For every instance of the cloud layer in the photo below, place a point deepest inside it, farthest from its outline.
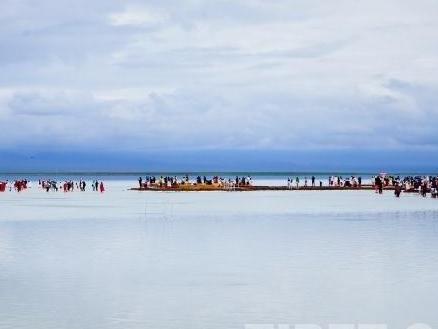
(244, 74)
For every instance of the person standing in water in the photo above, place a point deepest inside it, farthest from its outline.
(397, 189)
(379, 185)
(102, 188)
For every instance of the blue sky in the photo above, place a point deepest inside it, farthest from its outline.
(113, 77)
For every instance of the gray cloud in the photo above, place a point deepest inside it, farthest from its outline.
(218, 74)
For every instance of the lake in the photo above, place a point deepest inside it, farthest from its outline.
(127, 259)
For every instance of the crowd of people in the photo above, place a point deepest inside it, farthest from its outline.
(174, 181)
(422, 185)
(414, 184)
(17, 185)
(333, 181)
(52, 185)
(70, 186)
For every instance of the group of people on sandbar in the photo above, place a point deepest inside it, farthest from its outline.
(410, 184)
(422, 185)
(333, 181)
(351, 181)
(162, 181)
(175, 182)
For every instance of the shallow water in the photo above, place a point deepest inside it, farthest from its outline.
(127, 259)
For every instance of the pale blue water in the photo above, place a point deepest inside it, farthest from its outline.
(216, 260)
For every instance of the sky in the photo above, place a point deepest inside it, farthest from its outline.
(171, 80)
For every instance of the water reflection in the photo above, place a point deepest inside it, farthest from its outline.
(219, 272)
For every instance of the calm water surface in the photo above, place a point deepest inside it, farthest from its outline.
(216, 260)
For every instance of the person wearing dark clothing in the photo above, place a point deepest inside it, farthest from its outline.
(424, 189)
(397, 190)
(379, 185)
